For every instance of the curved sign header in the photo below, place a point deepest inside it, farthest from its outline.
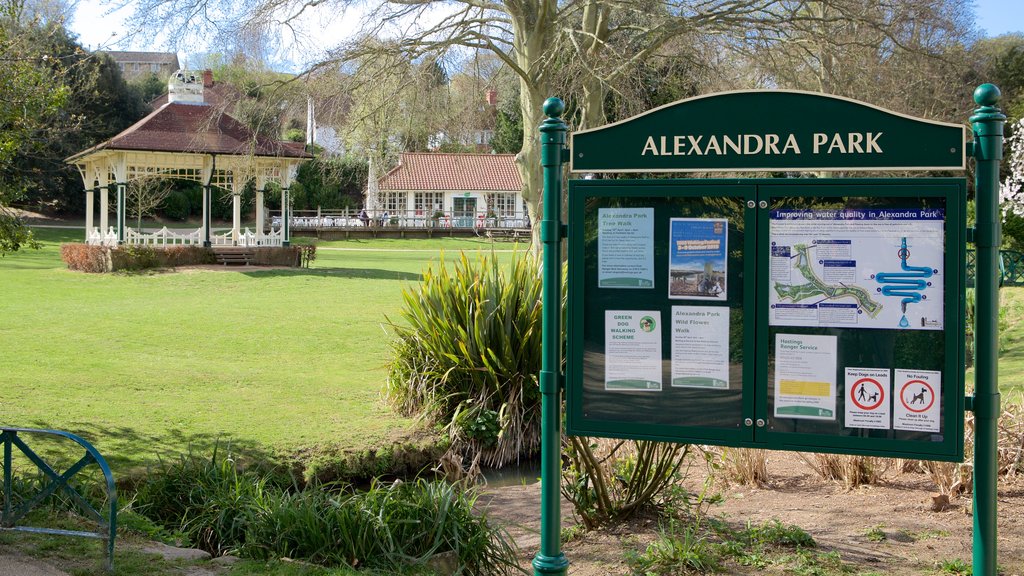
(768, 130)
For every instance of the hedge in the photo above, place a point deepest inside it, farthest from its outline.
(92, 258)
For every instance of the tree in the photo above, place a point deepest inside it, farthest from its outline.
(1001, 62)
(33, 92)
(70, 100)
(1011, 190)
(529, 36)
(909, 56)
(144, 196)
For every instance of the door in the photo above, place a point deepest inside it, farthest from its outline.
(464, 211)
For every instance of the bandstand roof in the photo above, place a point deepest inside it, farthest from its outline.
(197, 129)
(190, 140)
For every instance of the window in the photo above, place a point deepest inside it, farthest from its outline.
(393, 202)
(502, 203)
(154, 67)
(427, 202)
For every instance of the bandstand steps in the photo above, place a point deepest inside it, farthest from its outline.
(234, 255)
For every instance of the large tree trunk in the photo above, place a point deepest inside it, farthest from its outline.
(534, 25)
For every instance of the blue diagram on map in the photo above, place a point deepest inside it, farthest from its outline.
(836, 267)
(909, 283)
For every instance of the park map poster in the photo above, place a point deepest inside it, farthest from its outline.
(857, 268)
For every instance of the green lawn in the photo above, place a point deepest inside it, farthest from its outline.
(275, 362)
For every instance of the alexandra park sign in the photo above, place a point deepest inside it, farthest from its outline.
(762, 144)
(794, 131)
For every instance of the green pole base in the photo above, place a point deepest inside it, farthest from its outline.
(554, 565)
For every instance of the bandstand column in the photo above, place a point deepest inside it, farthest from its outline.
(206, 216)
(121, 186)
(236, 215)
(90, 199)
(104, 206)
(286, 217)
(259, 216)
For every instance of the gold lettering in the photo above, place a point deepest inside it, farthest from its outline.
(837, 142)
(819, 140)
(747, 148)
(791, 144)
(695, 145)
(650, 146)
(733, 144)
(873, 142)
(713, 146)
(855, 138)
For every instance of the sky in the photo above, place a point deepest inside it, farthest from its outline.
(94, 24)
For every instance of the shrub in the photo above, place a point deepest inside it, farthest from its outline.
(86, 257)
(223, 508)
(91, 258)
(467, 355)
(172, 256)
(608, 481)
(132, 258)
(278, 256)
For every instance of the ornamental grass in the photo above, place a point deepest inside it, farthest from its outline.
(467, 351)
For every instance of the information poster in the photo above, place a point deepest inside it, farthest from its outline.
(698, 250)
(625, 248)
(868, 396)
(918, 405)
(700, 347)
(805, 376)
(632, 350)
(857, 268)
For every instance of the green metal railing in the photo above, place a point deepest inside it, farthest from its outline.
(1011, 268)
(11, 515)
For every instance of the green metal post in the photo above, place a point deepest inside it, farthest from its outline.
(121, 208)
(550, 560)
(207, 213)
(286, 217)
(7, 478)
(987, 122)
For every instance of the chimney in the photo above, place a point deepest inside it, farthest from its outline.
(492, 97)
(207, 78)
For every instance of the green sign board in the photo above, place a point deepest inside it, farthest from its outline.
(803, 314)
(775, 130)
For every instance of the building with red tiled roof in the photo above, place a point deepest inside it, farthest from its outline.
(465, 187)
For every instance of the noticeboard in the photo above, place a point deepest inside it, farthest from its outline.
(805, 314)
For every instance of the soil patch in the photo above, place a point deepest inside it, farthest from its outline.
(886, 528)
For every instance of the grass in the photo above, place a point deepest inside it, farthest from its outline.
(275, 363)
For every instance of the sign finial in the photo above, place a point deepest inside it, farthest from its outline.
(987, 95)
(554, 107)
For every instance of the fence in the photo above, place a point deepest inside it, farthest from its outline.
(107, 527)
(1011, 268)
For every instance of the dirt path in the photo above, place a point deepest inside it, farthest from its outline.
(906, 537)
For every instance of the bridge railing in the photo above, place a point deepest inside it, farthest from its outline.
(11, 515)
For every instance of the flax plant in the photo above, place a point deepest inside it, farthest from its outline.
(610, 480)
(467, 353)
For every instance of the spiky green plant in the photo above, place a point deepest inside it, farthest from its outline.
(467, 353)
